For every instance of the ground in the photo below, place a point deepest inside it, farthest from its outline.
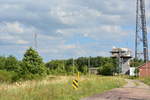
(133, 90)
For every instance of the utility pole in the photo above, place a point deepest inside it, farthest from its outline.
(141, 32)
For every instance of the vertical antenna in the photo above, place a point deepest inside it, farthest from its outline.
(136, 35)
(144, 30)
(141, 31)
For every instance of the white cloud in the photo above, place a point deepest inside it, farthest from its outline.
(22, 42)
(14, 27)
(60, 23)
(15, 33)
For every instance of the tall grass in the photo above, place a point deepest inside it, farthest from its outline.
(59, 88)
(146, 80)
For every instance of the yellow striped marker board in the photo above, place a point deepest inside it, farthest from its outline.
(75, 84)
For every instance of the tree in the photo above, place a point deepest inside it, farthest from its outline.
(107, 69)
(81, 62)
(12, 64)
(136, 62)
(85, 69)
(71, 69)
(2, 62)
(57, 66)
(32, 63)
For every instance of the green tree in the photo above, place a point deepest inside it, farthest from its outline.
(136, 62)
(71, 69)
(56, 66)
(32, 64)
(2, 62)
(85, 69)
(107, 69)
(12, 64)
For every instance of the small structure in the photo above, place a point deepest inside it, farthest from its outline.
(123, 55)
(93, 70)
(144, 70)
(132, 71)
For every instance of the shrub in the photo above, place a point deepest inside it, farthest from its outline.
(107, 69)
(71, 69)
(31, 77)
(12, 64)
(2, 62)
(84, 69)
(8, 76)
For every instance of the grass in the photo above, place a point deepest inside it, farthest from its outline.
(136, 83)
(145, 80)
(59, 88)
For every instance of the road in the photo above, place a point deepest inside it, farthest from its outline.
(133, 90)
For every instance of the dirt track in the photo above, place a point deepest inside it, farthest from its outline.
(133, 90)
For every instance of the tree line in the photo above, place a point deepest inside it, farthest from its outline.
(106, 65)
(33, 67)
(30, 67)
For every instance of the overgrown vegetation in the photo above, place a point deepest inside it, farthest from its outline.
(33, 67)
(59, 88)
(30, 67)
(146, 80)
(106, 65)
(136, 62)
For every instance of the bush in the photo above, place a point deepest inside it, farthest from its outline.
(84, 69)
(6, 76)
(71, 69)
(107, 69)
(2, 62)
(12, 64)
(31, 77)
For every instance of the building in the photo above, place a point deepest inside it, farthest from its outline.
(132, 71)
(144, 70)
(93, 70)
(123, 55)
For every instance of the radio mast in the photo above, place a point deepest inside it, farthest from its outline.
(141, 32)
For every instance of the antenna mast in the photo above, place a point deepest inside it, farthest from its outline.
(141, 31)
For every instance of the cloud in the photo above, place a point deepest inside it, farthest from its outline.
(67, 28)
(22, 42)
(15, 33)
(11, 27)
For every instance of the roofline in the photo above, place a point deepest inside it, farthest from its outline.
(143, 64)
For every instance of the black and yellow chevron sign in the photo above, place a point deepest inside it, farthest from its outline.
(75, 84)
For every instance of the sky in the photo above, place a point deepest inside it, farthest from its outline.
(67, 28)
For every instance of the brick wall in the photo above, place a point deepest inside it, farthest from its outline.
(144, 71)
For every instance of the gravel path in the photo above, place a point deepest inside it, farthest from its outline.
(133, 90)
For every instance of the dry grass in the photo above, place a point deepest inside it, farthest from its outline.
(58, 88)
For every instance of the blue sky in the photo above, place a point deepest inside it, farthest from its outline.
(67, 28)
